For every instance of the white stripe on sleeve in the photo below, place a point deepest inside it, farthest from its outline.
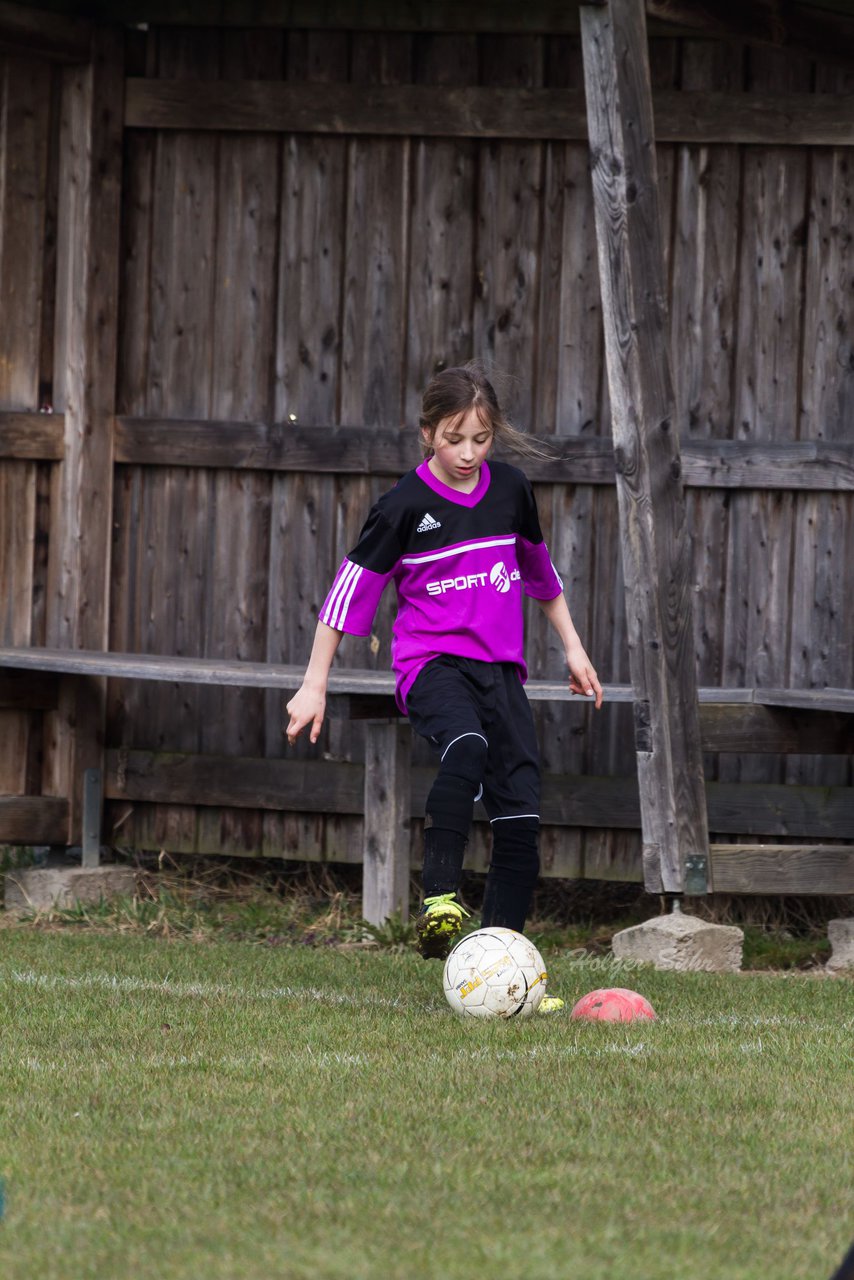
(339, 594)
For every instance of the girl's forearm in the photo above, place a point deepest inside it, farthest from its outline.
(582, 675)
(308, 705)
(323, 651)
(558, 617)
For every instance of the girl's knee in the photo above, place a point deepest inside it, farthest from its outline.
(458, 783)
(465, 757)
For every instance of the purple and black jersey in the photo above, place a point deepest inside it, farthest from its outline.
(460, 563)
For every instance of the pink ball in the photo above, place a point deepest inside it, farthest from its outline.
(613, 1004)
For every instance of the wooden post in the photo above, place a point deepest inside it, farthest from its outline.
(85, 376)
(388, 749)
(655, 541)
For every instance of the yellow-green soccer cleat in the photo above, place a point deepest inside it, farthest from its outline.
(438, 925)
(550, 1004)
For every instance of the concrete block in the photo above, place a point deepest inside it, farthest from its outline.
(681, 942)
(41, 888)
(840, 933)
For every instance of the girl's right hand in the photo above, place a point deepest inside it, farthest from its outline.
(307, 706)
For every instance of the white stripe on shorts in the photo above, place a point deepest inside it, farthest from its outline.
(470, 734)
(511, 817)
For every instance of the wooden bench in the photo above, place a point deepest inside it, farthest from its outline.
(732, 720)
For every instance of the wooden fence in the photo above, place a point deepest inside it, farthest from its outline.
(293, 229)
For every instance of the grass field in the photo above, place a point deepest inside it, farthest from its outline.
(225, 1110)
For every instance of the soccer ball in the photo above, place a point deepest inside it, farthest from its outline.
(494, 973)
(613, 1004)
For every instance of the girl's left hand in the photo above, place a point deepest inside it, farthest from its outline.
(582, 675)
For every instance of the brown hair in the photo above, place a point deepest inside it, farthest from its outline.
(453, 392)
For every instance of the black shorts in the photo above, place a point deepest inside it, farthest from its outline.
(453, 697)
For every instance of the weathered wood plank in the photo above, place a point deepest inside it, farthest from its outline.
(77, 606)
(356, 450)
(25, 104)
(471, 111)
(181, 778)
(758, 602)
(178, 669)
(377, 233)
(311, 247)
(33, 820)
(378, 110)
(609, 855)
(136, 274)
(333, 839)
(318, 786)
(748, 729)
(247, 196)
(776, 809)
(16, 736)
(308, 347)
(168, 596)
(17, 537)
(49, 335)
(25, 93)
(507, 242)
(769, 463)
(37, 437)
(791, 869)
(703, 312)
(375, 250)
(655, 541)
(822, 607)
(826, 699)
(705, 261)
(442, 273)
(386, 806)
(88, 270)
(733, 715)
(569, 357)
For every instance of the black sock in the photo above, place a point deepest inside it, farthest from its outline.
(443, 861)
(513, 873)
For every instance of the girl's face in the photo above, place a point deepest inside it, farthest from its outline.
(459, 448)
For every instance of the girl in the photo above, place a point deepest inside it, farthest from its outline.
(460, 538)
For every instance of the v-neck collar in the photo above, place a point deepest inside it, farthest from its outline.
(455, 495)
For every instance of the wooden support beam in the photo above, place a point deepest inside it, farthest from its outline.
(285, 446)
(334, 787)
(387, 806)
(393, 110)
(473, 111)
(87, 314)
(85, 376)
(797, 465)
(655, 540)
(32, 437)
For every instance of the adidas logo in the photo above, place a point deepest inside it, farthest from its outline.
(428, 523)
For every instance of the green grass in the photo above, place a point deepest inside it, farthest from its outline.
(225, 1109)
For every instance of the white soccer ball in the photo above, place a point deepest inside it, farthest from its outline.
(494, 973)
